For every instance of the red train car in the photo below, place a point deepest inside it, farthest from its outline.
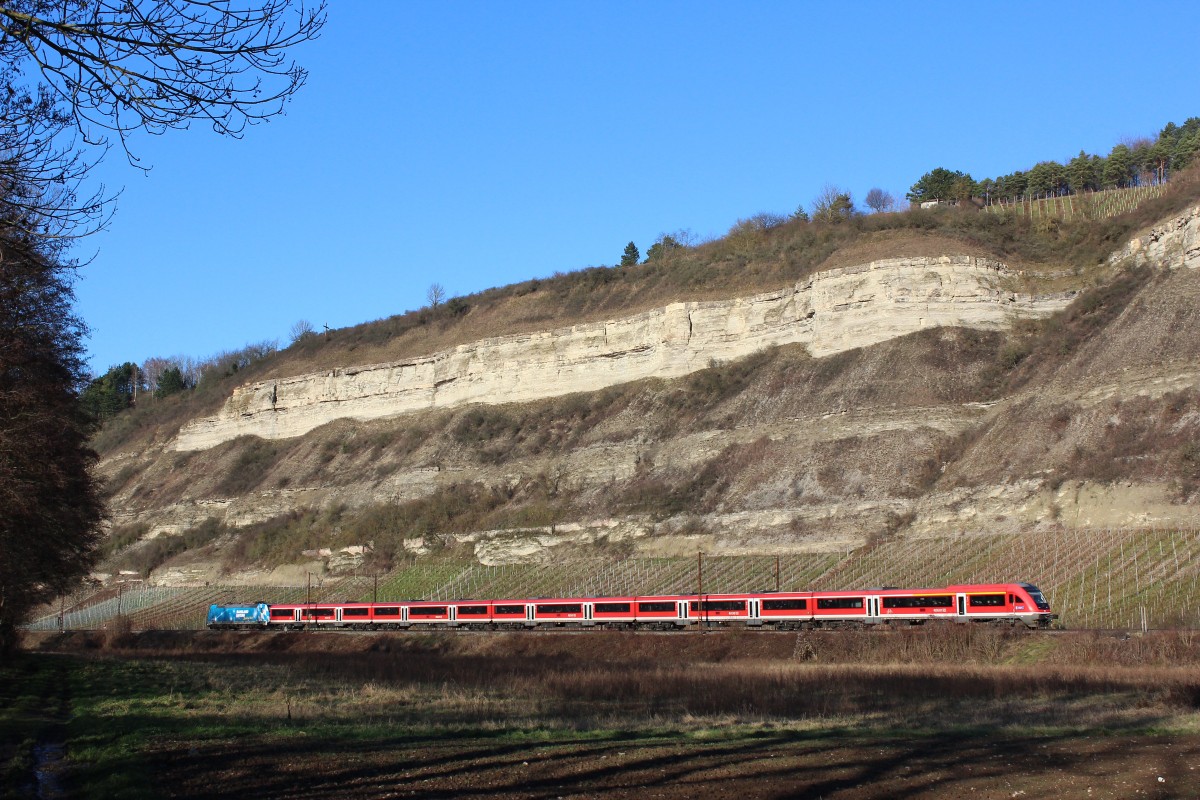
(1015, 603)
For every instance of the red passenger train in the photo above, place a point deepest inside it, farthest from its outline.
(1013, 603)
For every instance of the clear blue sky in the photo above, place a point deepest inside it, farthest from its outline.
(480, 143)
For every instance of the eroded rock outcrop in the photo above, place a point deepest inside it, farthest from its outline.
(1172, 244)
(830, 312)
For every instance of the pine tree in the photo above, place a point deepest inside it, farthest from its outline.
(631, 256)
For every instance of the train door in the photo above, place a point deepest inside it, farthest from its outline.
(529, 621)
(452, 616)
(962, 605)
(587, 615)
(755, 617)
(337, 617)
(404, 613)
(873, 608)
(683, 609)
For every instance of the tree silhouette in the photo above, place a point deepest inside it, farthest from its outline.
(109, 68)
(50, 499)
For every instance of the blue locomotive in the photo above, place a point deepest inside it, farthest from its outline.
(248, 616)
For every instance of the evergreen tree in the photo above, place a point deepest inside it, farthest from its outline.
(170, 382)
(111, 393)
(937, 184)
(1047, 179)
(964, 188)
(1081, 173)
(1118, 167)
(631, 256)
(1184, 153)
(662, 248)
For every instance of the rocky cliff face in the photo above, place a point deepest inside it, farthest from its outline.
(834, 311)
(896, 403)
(1173, 244)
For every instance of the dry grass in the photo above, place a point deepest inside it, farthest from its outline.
(958, 677)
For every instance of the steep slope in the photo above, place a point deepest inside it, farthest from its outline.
(931, 402)
(833, 311)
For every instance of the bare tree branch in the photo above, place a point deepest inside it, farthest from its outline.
(74, 75)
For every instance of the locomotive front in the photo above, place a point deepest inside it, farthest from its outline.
(1035, 611)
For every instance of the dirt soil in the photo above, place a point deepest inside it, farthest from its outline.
(774, 766)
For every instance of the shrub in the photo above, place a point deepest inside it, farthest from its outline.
(154, 553)
(248, 469)
(121, 479)
(121, 537)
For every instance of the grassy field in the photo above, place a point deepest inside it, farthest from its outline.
(940, 713)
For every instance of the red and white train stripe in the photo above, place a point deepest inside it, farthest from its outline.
(1015, 603)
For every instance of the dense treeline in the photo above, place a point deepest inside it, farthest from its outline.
(1140, 162)
(124, 384)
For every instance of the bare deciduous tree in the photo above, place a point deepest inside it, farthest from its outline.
(880, 201)
(153, 368)
(109, 68)
(833, 204)
(436, 294)
(301, 330)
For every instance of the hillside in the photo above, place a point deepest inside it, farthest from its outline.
(801, 389)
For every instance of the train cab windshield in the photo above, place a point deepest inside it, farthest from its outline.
(1039, 600)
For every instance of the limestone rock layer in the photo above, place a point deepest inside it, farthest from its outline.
(829, 312)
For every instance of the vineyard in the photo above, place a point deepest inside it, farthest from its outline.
(1093, 206)
(1094, 579)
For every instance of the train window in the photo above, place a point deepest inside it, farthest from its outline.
(784, 605)
(510, 610)
(356, 612)
(985, 599)
(1038, 598)
(719, 605)
(650, 608)
(426, 611)
(387, 611)
(842, 602)
(612, 608)
(320, 613)
(919, 601)
(559, 608)
(472, 610)
(281, 613)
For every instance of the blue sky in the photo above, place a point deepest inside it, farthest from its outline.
(476, 144)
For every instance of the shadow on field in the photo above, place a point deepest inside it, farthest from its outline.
(947, 714)
(770, 765)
